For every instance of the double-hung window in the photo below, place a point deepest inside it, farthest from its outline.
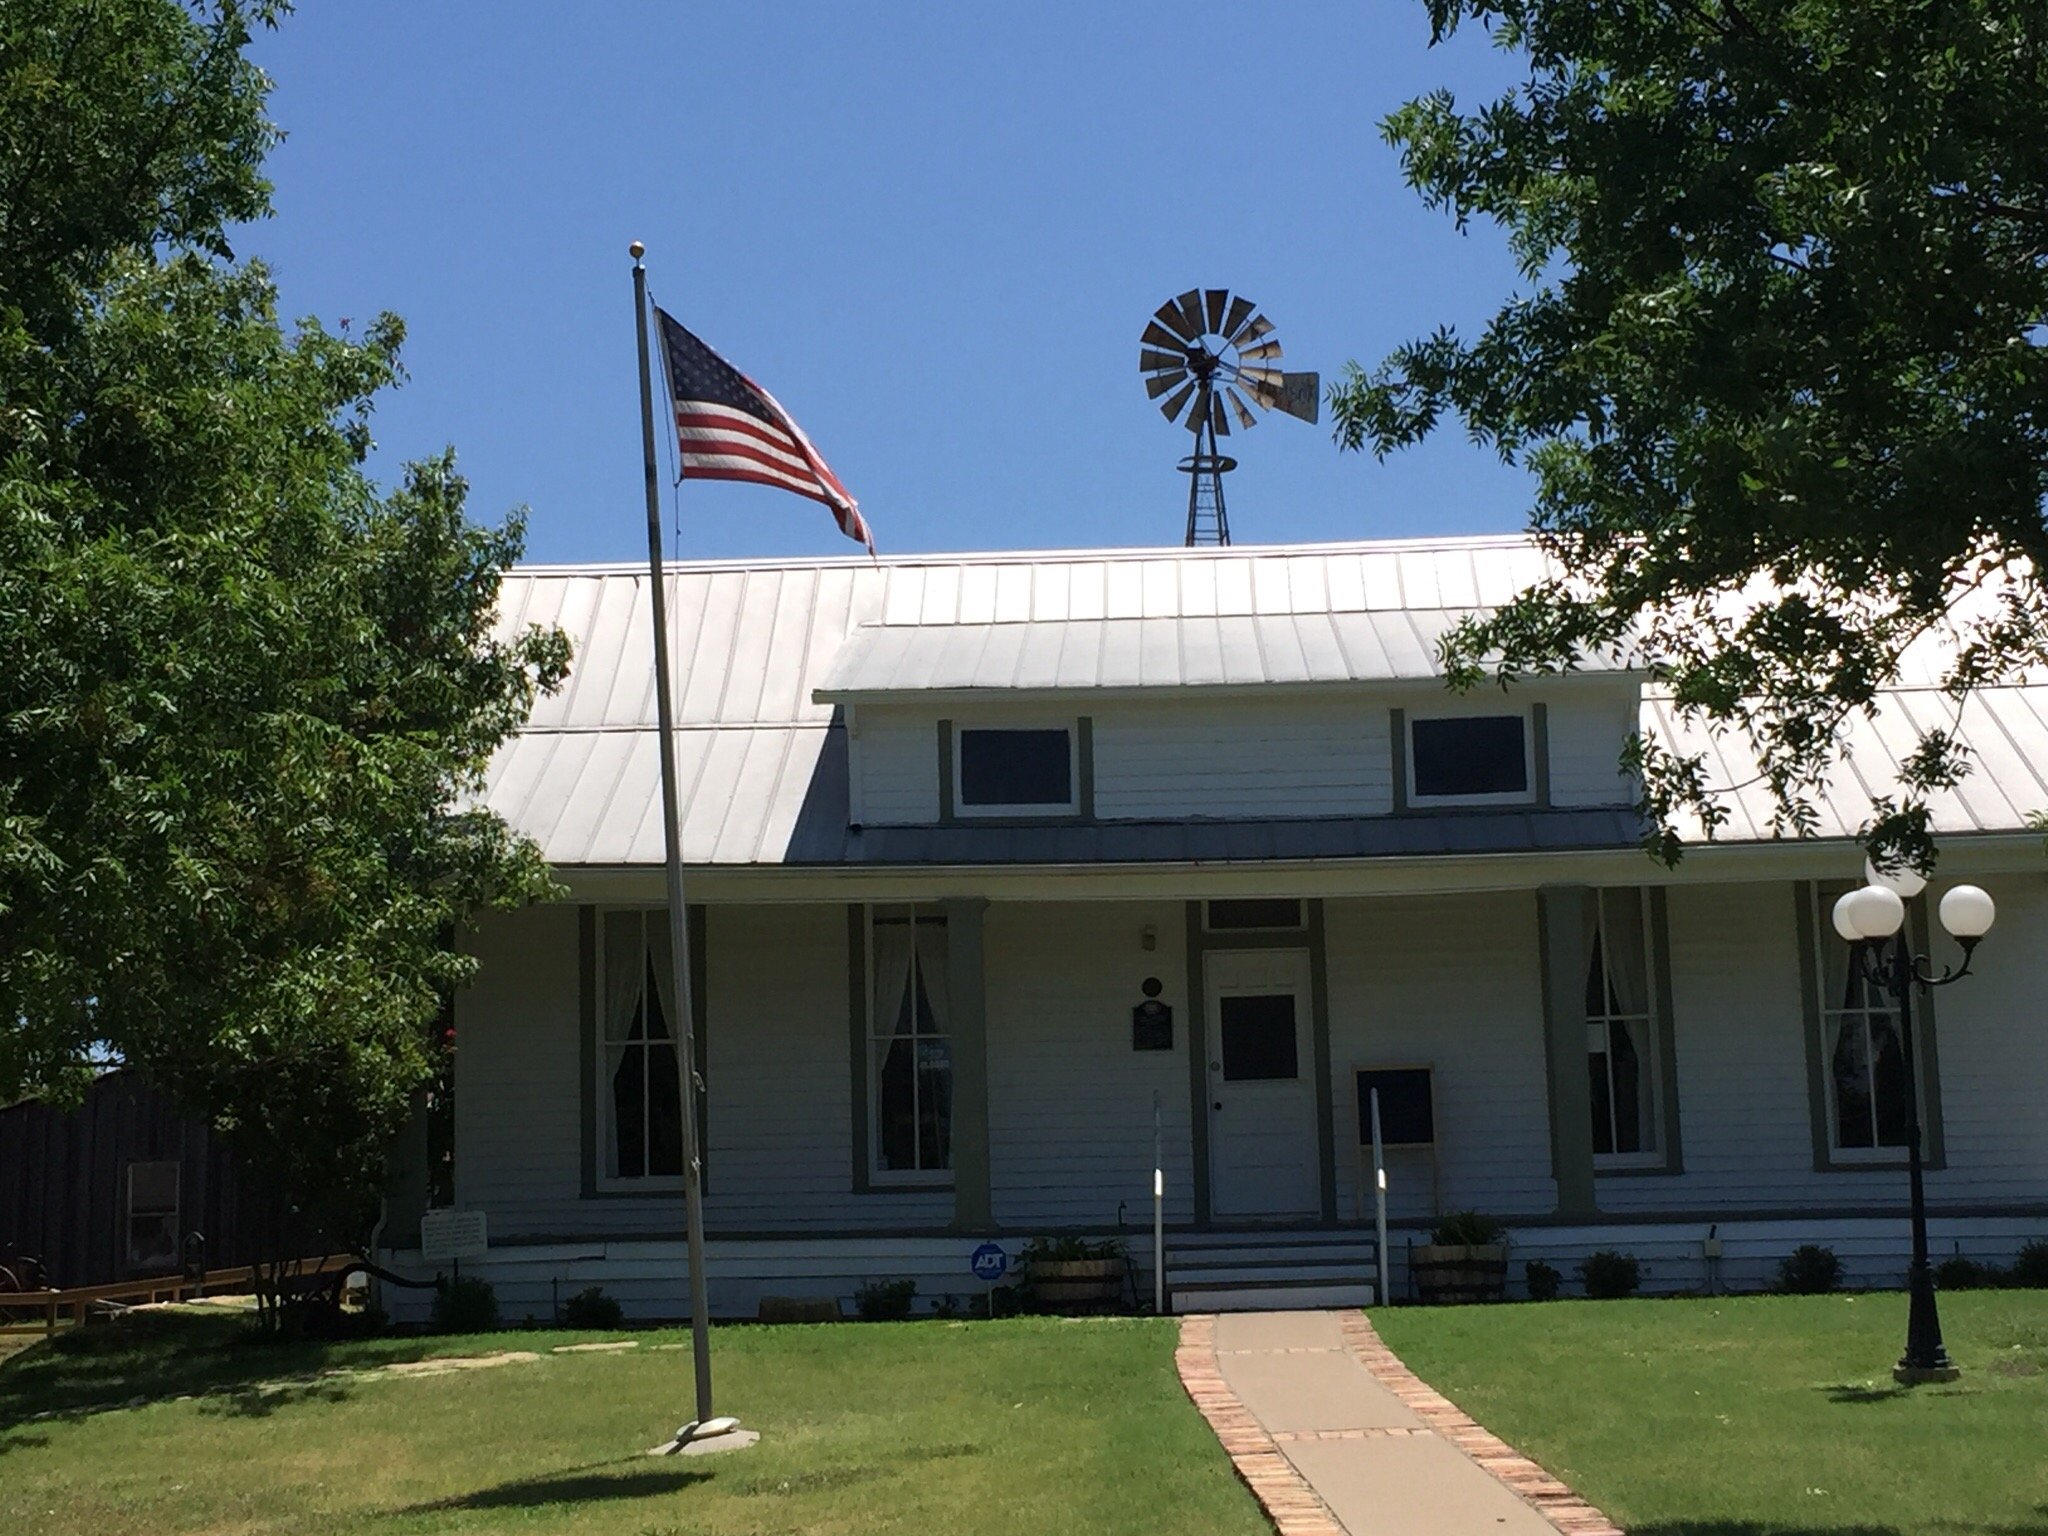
(1862, 1054)
(639, 1091)
(910, 1051)
(1621, 1032)
(1016, 771)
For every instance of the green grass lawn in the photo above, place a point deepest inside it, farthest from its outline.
(1759, 1416)
(1029, 1424)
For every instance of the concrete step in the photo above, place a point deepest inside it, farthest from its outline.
(1272, 1296)
(1251, 1272)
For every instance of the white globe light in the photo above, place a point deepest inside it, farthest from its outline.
(1968, 912)
(1907, 881)
(1845, 918)
(1877, 912)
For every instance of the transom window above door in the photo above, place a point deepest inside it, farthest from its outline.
(1470, 759)
(1016, 771)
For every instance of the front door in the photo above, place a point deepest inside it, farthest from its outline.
(1262, 1113)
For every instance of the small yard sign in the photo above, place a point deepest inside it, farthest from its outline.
(990, 1262)
(448, 1236)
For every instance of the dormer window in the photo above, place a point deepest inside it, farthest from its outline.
(1016, 771)
(1470, 760)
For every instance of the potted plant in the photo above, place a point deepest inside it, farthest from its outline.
(1071, 1271)
(1465, 1259)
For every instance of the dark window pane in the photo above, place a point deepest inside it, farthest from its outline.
(664, 1113)
(934, 1104)
(629, 1109)
(1852, 1085)
(1258, 1037)
(1016, 768)
(1469, 755)
(1888, 1072)
(1603, 1117)
(896, 1104)
(1277, 913)
(1596, 982)
(1628, 1079)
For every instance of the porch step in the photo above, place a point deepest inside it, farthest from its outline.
(1270, 1271)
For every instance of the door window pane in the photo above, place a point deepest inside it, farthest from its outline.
(1258, 1037)
(1469, 755)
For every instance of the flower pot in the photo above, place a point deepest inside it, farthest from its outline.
(1463, 1272)
(1073, 1282)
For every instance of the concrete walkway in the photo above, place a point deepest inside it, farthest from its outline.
(1336, 1438)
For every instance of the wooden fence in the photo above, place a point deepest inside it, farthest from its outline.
(47, 1307)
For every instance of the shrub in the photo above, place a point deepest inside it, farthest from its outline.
(884, 1300)
(465, 1306)
(1068, 1250)
(591, 1308)
(1957, 1273)
(1468, 1229)
(1609, 1276)
(2031, 1266)
(1809, 1270)
(1543, 1281)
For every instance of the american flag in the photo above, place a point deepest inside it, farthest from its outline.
(730, 428)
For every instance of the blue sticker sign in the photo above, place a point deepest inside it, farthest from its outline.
(989, 1262)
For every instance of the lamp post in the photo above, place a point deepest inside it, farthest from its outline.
(1872, 918)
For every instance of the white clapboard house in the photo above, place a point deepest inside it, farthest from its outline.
(997, 861)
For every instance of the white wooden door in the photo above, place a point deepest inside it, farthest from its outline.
(1262, 1114)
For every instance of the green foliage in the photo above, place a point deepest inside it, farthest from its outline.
(1778, 369)
(1957, 1273)
(1608, 1275)
(591, 1308)
(2030, 1266)
(1543, 1280)
(1069, 1250)
(1468, 1229)
(1809, 1270)
(244, 692)
(884, 1300)
(465, 1305)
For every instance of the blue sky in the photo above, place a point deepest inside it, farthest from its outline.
(934, 231)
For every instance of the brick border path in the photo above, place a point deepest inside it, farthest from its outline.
(1286, 1496)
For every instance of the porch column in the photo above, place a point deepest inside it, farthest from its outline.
(967, 993)
(1561, 920)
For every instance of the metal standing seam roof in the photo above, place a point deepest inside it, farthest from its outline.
(763, 763)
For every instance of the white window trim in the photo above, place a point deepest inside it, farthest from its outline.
(1071, 806)
(607, 1182)
(1468, 711)
(1658, 1154)
(878, 1176)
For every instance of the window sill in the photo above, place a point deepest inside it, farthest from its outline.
(1633, 1168)
(908, 1184)
(613, 1188)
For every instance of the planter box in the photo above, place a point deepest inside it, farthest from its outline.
(1444, 1273)
(1073, 1282)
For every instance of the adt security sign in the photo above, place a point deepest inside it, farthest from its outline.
(989, 1263)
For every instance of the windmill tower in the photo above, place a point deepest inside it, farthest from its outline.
(1214, 357)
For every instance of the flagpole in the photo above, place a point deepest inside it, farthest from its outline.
(678, 915)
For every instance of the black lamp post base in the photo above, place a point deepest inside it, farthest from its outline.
(1919, 1375)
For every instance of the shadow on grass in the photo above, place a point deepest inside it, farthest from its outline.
(260, 1402)
(578, 1485)
(167, 1354)
(1857, 1392)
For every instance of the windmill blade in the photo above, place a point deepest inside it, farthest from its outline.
(1263, 385)
(1160, 383)
(1171, 409)
(1170, 318)
(1216, 298)
(1258, 330)
(1157, 335)
(1217, 418)
(1150, 361)
(1245, 418)
(1240, 311)
(1190, 304)
(1263, 350)
(1301, 395)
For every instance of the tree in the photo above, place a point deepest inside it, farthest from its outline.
(245, 696)
(1780, 369)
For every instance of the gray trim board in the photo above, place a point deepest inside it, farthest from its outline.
(1084, 751)
(1319, 1035)
(1539, 752)
(1197, 1034)
(857, 1027)
(946, 808)
(586, 1050)
(1397, 733)
(1560, 930)
(967, 992)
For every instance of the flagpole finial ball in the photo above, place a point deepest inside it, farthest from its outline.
(636, 250)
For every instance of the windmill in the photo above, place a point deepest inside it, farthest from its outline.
(1214, 357)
